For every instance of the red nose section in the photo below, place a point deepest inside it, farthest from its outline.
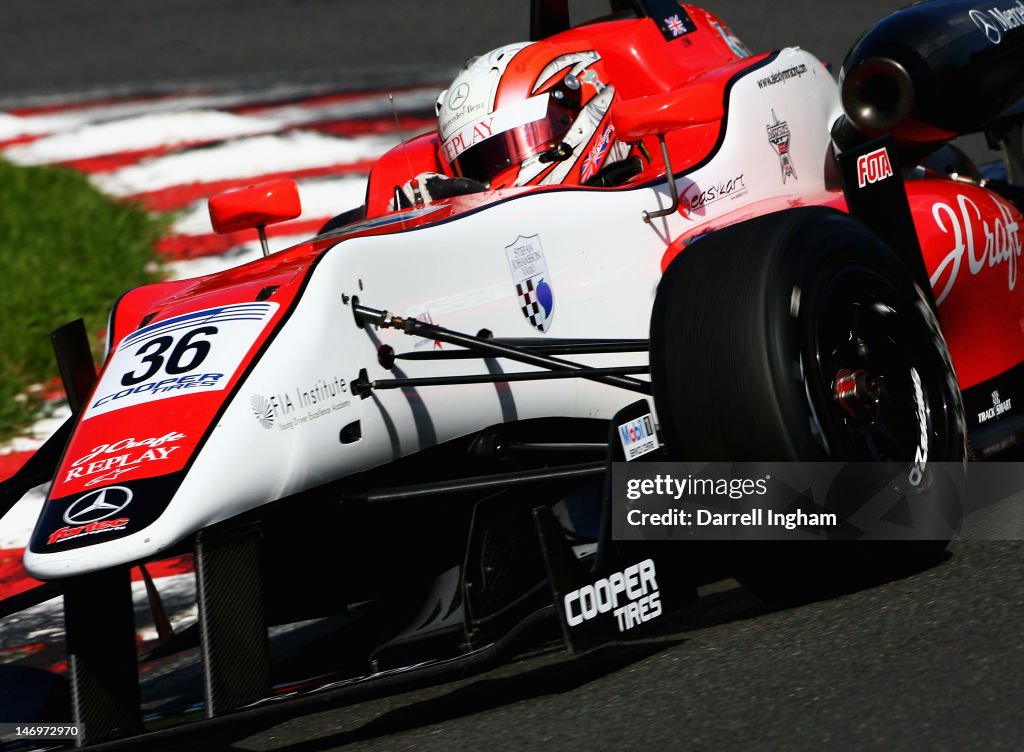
(255, 206)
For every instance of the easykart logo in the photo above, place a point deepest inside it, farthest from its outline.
(873, 167)
(98, 505)
(695, 198)
(632, 597)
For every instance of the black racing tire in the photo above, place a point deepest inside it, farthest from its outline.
(750, 328)
(345, 218)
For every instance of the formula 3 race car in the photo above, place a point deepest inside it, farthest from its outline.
(421, 405)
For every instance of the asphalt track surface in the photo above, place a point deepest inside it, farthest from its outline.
(932, 661)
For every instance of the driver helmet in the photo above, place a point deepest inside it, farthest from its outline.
(529, 114)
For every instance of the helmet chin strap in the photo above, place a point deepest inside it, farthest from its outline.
(559, 153)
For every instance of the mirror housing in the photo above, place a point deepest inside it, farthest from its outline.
(658, 114)
(255, 206)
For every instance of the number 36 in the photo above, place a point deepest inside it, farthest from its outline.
(186, 355)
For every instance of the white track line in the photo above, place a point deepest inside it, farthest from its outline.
(375, 106)
(45, 622)
(135, 134)
(13, 126)
(78, 134)
(17, 525)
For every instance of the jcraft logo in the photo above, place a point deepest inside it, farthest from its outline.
(98, 505)
(106, 462)
(967, 226)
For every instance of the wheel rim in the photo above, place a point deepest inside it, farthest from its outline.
(882, 371)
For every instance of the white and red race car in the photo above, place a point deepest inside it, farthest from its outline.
(421, 403)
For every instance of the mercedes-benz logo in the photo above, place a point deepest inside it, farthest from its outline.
(98, 505)
(983, 22)
(459, 96)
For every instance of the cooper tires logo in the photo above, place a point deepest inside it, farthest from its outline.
(983, 22)
(98, 505)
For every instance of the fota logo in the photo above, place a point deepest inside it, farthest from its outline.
(873, 167)
(632, 596)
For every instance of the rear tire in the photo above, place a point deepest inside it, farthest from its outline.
(752, 327)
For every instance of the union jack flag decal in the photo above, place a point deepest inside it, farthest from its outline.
(673, 20)
(675, 25)
(593, 161)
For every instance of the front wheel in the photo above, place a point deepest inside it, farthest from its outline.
(800, 336)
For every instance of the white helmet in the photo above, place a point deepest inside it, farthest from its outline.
(529, 114)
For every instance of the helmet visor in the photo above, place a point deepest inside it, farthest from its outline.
(508, 136)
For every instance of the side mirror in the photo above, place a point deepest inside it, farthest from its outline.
(255, 207)
(657, 114)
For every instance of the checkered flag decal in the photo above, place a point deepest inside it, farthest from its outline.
(528, 302)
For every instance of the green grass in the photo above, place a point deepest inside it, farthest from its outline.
(66, 252)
